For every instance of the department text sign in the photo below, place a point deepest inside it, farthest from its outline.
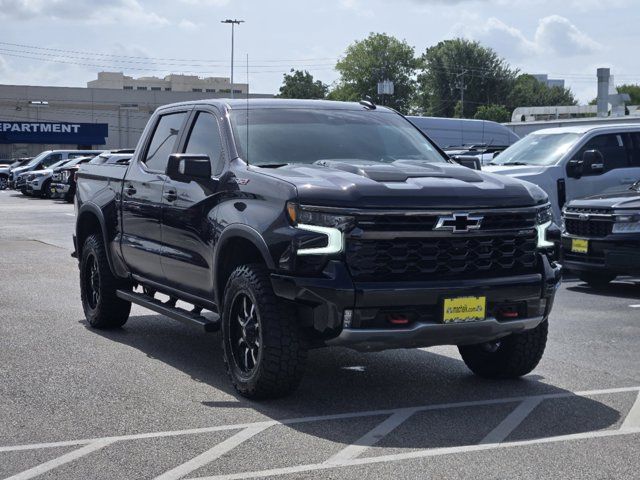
(53, 132)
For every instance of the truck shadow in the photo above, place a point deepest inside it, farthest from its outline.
(341, 381)
(621, 288)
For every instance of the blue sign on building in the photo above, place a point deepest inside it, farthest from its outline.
(54, 132)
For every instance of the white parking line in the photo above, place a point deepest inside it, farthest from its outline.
(633, 417)
(56, 462)
(635, 306)
(213, 453)
(511, 422)
(434, 452)
(372, 437)
(349, 455)
(338, 416)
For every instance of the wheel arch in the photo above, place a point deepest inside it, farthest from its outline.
(237, 245)
(91, 220)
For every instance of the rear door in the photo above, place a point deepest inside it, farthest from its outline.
(187, 230)
(614, 149)
(142, 196)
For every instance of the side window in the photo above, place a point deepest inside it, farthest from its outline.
(163, 141)
(51, 159)
(204, 138)
(635, 149)
(612, 148)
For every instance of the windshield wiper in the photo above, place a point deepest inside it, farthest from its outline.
(516, 164)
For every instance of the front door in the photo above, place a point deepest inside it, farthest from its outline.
(613, 148)
(187, 230)
(142, 198)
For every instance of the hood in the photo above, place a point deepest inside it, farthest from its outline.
(620, 199)
(516, 170)
(4, 169)
(403, 184)
(19, 170)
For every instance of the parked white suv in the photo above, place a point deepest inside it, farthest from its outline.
(573, 162)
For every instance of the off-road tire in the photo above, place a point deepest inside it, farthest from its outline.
(597, 279)
(514, 356)
(108, 311)
(282, 355)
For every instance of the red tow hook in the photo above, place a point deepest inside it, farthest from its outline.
(397, 319)
(509, 313)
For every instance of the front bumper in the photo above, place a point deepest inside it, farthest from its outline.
(616, 253)
(322, 303)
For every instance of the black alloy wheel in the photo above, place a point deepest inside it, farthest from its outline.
(246, 337)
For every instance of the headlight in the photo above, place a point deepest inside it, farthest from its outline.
(328, 224)
(544, 218)
(627, 222)
(65, 175)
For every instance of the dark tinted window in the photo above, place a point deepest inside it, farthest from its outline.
(634, 149)
(288, 135)
(612, 148)
(163, 141)
(204, 138)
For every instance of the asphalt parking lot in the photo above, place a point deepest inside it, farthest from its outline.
(152, 400)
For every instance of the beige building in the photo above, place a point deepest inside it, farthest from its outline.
(170, 83)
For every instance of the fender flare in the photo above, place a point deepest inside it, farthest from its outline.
(92, 208)
(242, 231)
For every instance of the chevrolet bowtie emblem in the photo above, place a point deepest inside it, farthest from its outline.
(459, 223)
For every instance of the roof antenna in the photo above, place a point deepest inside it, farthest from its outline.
(247, 109)
(367, 103)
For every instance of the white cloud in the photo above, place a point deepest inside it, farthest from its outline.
(559, 35)
(554, 35)
(103, 11)
(187, 24)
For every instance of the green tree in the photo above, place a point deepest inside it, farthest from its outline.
(299, 84)
(529, 92)
(457, 65)
(376, 58)
(495, 113)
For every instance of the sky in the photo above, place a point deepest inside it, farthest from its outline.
(66, 42)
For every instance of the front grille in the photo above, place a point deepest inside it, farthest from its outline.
(588, 228)
(426, 222)
(56, 177)
(451, 257)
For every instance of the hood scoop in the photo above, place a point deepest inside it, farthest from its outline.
(400, 170)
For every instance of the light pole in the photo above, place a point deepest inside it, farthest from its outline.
(233, 23)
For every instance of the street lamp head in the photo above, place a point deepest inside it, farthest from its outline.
(228, 20)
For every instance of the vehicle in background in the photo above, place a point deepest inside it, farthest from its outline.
(601, 237)
(460, 136)
(38, 182)
(344, 226)
(63, 183)
(573, 162)
(6, 170)
(44, 160)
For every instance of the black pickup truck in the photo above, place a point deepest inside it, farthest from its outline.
(601, 237)
(295, 224)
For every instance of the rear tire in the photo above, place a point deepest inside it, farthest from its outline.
(509, 357)
(264, 350)
(4, 182)
(597, 279)
(102, 307)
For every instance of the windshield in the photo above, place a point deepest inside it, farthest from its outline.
(55, 165)
(37, 158)
(281, 135)
(537, 149)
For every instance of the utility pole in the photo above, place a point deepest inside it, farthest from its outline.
(233, 24)
(462, 87)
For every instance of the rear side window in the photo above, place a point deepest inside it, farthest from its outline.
(163, 141)
(634, 148)
(204, 138)
(51, 159)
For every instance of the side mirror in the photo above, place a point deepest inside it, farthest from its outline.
(575, 168)
(593, 161)
(468, 161)
(188, 166)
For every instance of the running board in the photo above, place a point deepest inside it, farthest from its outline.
(176, 313)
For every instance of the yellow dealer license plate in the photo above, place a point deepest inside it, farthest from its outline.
(579, 245)
(464, 309)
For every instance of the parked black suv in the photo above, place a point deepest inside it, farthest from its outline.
(601, 238)
(315, 223)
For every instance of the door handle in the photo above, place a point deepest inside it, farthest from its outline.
(170, 195)
(130, 190)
